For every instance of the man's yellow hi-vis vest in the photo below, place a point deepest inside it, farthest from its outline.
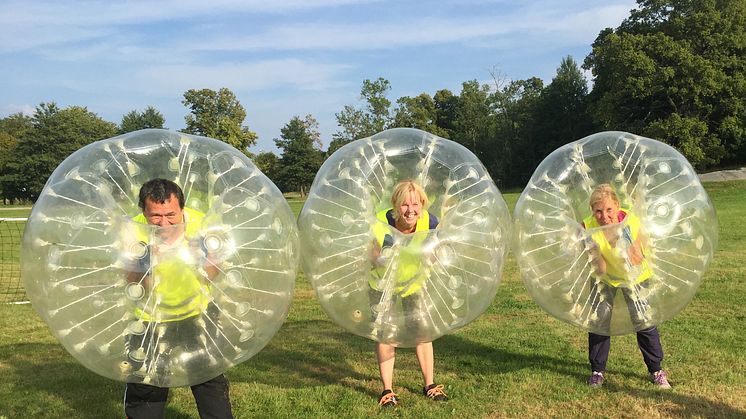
(408, 276)
(179, 291)
(617, 271)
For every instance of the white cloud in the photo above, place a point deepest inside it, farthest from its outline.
(585, 24)
(114, 49)
(26, 25)
(12, 108)
(104, 13)
(363, 36)
(243, 76)
(548, 25)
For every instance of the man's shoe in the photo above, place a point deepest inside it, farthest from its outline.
(660, 379)
(596, 379)
(388, 399)
(435, 392)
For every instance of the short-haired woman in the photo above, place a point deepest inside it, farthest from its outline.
(408, 215)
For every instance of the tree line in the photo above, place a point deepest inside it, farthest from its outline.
(31, 147)
(673, 70)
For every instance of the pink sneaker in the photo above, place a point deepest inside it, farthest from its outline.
(660, 378)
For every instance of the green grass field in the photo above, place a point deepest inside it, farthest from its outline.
(513, 361)
(13, 211)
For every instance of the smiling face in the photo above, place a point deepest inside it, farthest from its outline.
(408, 201)
(606, 211)
(165, 214)
(409, 212)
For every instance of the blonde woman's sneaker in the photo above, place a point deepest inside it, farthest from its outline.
(435, 392)
(596, 379)
(660, 379)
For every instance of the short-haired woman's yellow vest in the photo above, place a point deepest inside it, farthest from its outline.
(616, 271)
(409, 276)
(177, 285)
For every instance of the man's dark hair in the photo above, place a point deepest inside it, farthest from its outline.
(160, 190)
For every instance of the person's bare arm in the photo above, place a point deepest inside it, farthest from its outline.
(635, 252)
(138, 270)
(211, 267)
(597, 259)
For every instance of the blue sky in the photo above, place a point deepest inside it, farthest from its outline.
(280, 58)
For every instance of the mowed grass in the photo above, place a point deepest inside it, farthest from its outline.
(14, 211)
(513, 361)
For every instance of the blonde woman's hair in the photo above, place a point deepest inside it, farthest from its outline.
(602, 192)
(402, 191)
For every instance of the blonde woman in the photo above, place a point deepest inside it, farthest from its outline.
(408, 215)
(627, 271)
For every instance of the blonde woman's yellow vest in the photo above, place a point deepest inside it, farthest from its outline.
(178, 286)
(408, 276)
(616, 274)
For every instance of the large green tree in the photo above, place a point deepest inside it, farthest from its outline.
(135, 120)
(472, 123)
(446, 106)
(269, 164)
(7, 144)
(12, 128)
(16, 125)
(473, 120)
(379, 106)
(219, 115)
(374, 117)
(561, 112)
(676, 70)
(312, 128)
(299, 160)
(56, 134)
(418, 112)
(511, 156)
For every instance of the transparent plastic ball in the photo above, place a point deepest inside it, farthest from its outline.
(403, 289)
(668, 217)
(162, 305)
